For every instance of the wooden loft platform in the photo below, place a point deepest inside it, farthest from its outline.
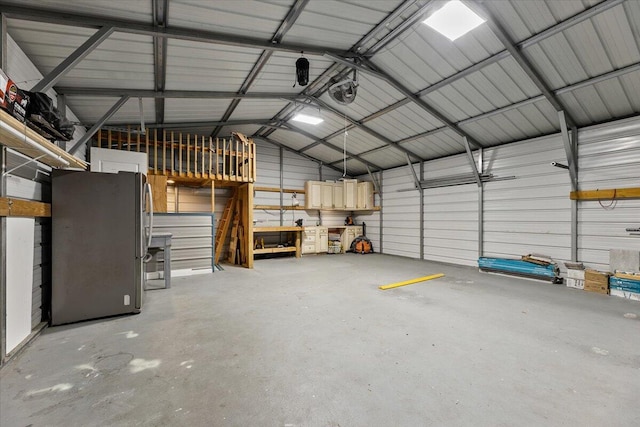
(188, 159)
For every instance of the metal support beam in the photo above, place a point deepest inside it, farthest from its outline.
(472, 162)
(481, 206)
(421, 211)
(332, 146)
(404, 26)
(406, 92)
(570, 149)
(279, 144)
(416, 181)
(381, 211)
(207, 124)
(281, 186)
(87, 136)
(160, 21)
(199, 94)
(182, 33)
(3, 258)
(567, 89)
(78, 55)
(3, 42)
(376, 185)
(285, 25)
(366, 129)
(536, 38)
(522, 61)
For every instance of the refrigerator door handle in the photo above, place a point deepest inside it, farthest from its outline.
(147, 188)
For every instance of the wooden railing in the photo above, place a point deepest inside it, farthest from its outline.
(188, 157)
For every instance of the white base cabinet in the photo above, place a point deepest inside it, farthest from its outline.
(315, 240)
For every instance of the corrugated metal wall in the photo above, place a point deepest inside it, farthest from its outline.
(191, 243)
(400, 213)
(450, 214)
(30, 180)
(531, 213)
(609, 157)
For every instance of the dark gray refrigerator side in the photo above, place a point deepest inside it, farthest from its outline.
(97, 245)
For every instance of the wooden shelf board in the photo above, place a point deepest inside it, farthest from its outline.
(608, 194)
(23, 208)
(277, 190)
(277, 208)
(276, 229)
(9, 139)
(274, 250)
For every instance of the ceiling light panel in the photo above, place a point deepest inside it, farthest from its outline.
(453, 20)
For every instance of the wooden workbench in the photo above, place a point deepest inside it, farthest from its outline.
(289, 229)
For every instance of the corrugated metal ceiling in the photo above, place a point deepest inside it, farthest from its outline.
(587, 52)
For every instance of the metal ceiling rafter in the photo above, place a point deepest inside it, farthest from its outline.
(364, 128)
(355, 49)
(522, 61)
(536, 38)
(330, 145)
(317, 85)
(383, 24)
(306, 156)
(567, 89)
(96, 126)
(285, 25)
(3, 41)
(160, 20)
(134, 27)
(407, 93)
(72, 60)
(404, 26)
(194, 94)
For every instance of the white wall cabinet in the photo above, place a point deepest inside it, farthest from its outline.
(365, 195)
(350, 194)
(313, 195)
(338, 195)
(345, 195)
(327, 195)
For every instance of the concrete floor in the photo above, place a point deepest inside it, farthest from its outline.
(313, 342)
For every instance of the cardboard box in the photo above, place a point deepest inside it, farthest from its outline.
(574, 283)
(596, 287)
(596, 277)
(625, 294)
(575, 274)
(8, 91)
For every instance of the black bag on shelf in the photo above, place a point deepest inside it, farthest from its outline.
(47, 118)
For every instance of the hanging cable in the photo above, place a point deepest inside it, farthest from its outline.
(344, 148)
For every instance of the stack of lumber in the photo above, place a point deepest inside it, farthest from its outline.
(522, 268)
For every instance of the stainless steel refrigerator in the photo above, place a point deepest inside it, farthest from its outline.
(100, 237)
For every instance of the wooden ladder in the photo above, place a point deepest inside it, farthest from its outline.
(233, 243)
(223, 225)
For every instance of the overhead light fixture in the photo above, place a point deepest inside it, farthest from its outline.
(306, 118)
(170, 181)
(453, 20)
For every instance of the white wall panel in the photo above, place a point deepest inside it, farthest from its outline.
(400, 214)
(609, 158)
(531, 213)
(450, 214)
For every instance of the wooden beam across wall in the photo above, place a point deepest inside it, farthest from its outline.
(277, 190)
(608, 194)
(23, 208)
